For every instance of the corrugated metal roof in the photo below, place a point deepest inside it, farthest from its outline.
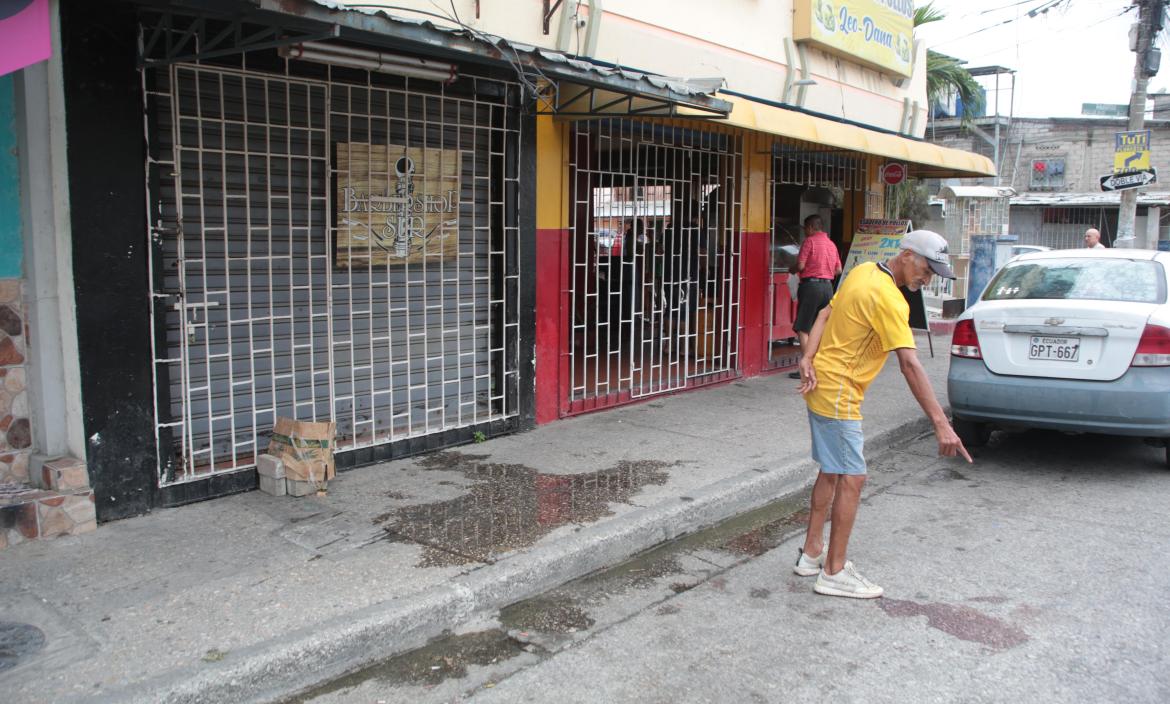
(1112, 198)
(976, 192)
(690, 87)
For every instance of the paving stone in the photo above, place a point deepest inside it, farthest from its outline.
(80, 507)
(19, 433)
(14, 380)
(10, 321)
(9, 290)
(54, 521)
(65, 474)
(10, 353)
(273, 485)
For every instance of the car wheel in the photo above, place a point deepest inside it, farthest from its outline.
(972, 434)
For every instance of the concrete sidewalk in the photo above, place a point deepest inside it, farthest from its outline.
(254, 597)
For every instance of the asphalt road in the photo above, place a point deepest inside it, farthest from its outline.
(1035, 574)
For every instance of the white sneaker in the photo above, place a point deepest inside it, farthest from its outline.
(848, 582)
(808, 566)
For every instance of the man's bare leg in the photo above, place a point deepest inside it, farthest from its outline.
(818, 511)
(845, 501)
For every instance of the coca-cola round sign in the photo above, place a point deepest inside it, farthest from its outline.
(893, 174)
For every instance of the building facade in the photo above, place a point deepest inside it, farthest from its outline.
(1055, 167)
(424, 227)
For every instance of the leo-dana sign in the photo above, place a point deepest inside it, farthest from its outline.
(876, 33)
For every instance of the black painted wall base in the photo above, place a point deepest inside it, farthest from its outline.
(245, 480)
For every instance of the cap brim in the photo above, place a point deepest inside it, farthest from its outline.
(941, 269)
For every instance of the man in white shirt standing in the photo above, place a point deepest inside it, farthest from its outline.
(1093, 239)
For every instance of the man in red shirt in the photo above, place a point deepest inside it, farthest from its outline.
(818, 264)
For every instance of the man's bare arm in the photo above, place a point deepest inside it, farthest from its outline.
(808, 375)
(949, 444)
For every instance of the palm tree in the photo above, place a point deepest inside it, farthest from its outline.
(945, 75)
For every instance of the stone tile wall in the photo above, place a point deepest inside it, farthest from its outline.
(15, 431)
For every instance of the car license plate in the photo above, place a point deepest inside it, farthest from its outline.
(1059, 349)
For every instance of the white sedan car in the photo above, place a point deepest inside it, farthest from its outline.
(1072, 340)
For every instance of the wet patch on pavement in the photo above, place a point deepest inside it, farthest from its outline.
(946, 474)
(962, 622)
(551, 614)
(19, 641)
(445, 658)
(760, 593)
(989, 599)
(510, 506)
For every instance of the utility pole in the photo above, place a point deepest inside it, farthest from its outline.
(1150, 18)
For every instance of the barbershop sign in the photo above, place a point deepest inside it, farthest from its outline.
(876, 33)
(396, 205)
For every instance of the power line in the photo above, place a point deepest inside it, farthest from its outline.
(1043, 9)
(1091, 23)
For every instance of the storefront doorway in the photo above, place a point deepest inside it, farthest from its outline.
(654, 271)
(805, 181)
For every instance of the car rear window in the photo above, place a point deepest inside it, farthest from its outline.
(1080, 279)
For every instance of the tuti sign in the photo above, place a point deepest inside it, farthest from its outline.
(876, 33)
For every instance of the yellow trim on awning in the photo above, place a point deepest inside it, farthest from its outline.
(924, 159)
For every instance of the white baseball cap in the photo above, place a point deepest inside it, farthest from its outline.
(933, 247)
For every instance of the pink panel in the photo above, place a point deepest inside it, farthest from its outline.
(24, 36)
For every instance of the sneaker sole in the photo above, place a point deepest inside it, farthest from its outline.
(806, 571)
(833, 591)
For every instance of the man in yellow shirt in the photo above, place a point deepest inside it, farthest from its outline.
(847, 347)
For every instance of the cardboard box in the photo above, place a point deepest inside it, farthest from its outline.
(305, 449)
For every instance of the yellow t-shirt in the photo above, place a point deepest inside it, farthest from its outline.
(870, 319)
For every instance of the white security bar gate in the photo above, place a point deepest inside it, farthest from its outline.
(328, 250)
(655, 270)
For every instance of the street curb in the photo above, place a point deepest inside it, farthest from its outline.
(295, 662)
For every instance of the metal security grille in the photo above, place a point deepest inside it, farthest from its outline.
(258, 312)
(655, 267)
(1062, 227)
(432, 343)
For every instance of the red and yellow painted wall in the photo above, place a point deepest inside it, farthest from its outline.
(553, 250)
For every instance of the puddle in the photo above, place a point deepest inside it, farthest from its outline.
(962, 622)
(446, 658)
(755, 533)
(544, 624)
(550, 614)
(510, 506)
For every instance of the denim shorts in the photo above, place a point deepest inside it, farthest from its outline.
(837, 445)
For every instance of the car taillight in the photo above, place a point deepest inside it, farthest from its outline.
(1153, 349)
(964, 342)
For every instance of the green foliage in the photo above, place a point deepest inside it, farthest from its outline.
(908, 200)
(945, 75)
(478, 436)
(927, 13)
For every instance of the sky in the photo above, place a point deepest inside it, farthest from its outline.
(1077, 52)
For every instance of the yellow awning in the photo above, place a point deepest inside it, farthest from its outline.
(925, 160)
